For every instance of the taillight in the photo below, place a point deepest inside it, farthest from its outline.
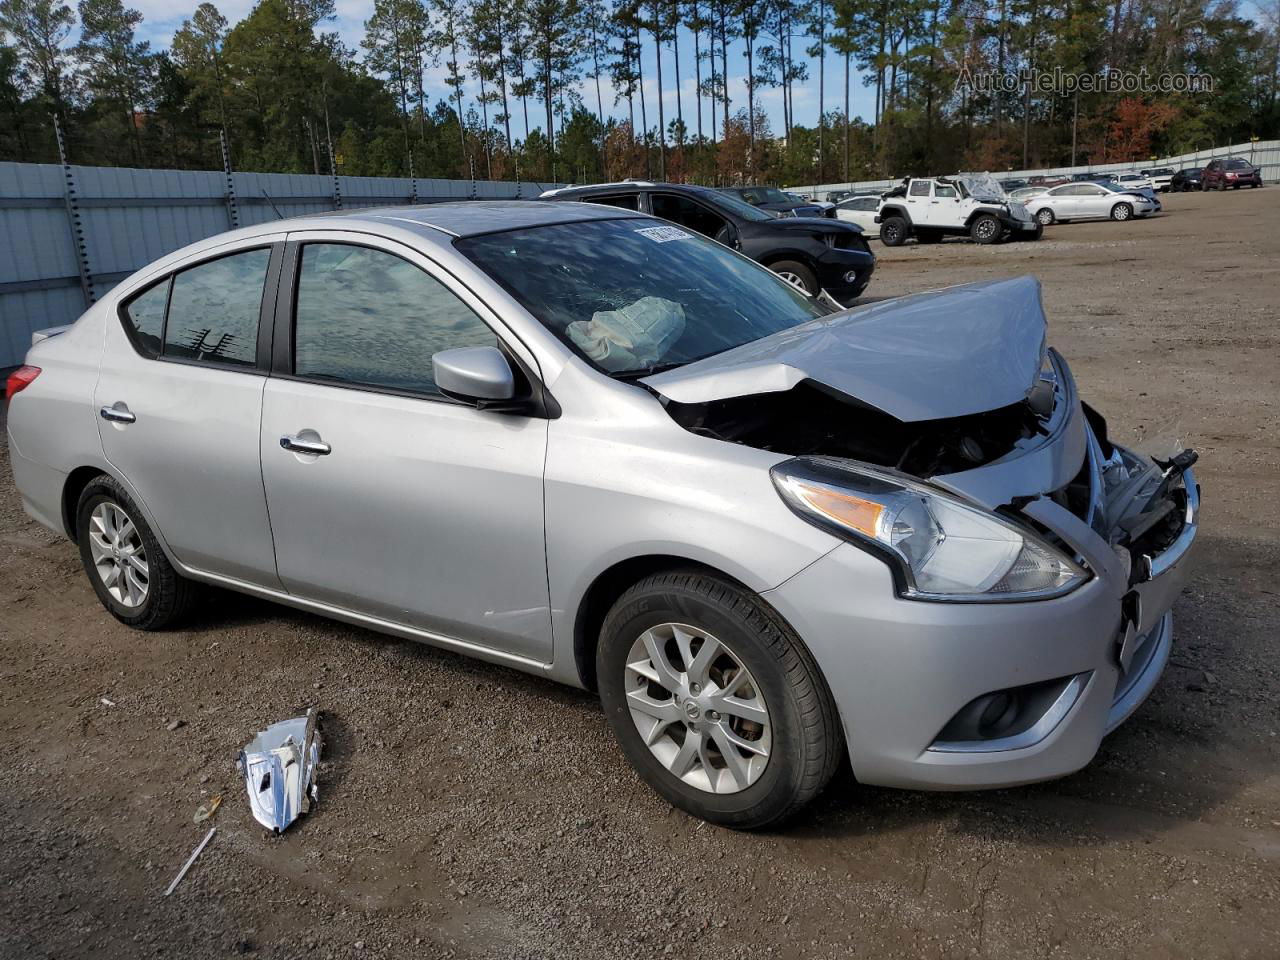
(19, 380)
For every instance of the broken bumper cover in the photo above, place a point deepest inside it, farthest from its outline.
(901, 671)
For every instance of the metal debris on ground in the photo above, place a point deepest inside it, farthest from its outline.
(190, 860)
(279, 768)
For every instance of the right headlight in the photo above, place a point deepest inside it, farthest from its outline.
(941, 547)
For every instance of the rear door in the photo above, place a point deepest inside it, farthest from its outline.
(417, 509)
(688, 212)
(180, 400)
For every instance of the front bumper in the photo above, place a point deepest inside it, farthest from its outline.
(836, 264)
(901, 670)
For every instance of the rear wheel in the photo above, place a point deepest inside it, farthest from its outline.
(796, 274)
(126, 566)
(715, 701)
(894, 231)
(1122, 211)
(985, 229)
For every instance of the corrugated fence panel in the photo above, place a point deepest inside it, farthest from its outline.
(132, 217)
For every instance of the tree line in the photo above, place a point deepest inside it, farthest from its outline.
(557, 89)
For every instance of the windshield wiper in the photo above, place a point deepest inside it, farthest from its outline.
(643, 372)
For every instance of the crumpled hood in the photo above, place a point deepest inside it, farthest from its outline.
(948, 353)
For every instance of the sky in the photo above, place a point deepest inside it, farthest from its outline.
(163, 17)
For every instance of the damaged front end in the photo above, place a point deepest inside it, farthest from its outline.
(941, 433)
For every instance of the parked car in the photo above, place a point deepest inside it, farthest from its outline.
(1024, 193)
(862, 211)
(1189, 178)
(1134, 181)
(1090, 177)
(1046, 180)
(812, 253)
(1089, 201)
(1160, 178)
(964, 205)
(1233, 172)
(600, 448)
(1013, 184)
(771, 198)
(836, 196)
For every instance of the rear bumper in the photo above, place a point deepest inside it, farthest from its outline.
(40, 488)
(901, 670)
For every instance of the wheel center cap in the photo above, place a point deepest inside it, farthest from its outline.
(691, 710)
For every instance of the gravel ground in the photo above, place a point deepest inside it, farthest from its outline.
(470, 811)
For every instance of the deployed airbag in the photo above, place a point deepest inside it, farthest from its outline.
(631, 338)
(949, 353)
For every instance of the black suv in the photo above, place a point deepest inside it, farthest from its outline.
(1190, 178)
(814, 253)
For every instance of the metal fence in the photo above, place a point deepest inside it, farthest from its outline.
(68, 234)
(1265, 153)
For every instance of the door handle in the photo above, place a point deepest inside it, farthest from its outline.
(118, 414)
(315, 447)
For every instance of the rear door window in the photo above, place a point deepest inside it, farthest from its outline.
(627, 201)
(214, 310)
(920, 188)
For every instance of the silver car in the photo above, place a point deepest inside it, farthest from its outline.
(597, 447)
(1090, 201)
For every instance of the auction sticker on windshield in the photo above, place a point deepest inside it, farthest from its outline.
(664, 234)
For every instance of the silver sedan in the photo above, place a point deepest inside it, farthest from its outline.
(1090, 201)
(600, 448)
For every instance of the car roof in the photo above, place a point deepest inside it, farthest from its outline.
(464, 218)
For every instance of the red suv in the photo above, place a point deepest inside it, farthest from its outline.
(1232, 172)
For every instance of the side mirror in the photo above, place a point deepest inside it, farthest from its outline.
(477, 375)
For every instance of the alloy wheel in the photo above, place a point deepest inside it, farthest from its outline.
(119, 557)
(698, 708)
(794, 280)
(987, 229)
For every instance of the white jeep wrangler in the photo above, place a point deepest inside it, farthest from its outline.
(966, 204)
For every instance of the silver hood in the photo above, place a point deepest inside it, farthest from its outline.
(948, 353)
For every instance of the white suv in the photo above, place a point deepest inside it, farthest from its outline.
(967, 204)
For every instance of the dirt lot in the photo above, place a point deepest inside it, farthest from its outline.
(470, 811)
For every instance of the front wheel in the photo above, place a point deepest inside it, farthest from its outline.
(715, 701)
(985, 229)
(1121, 212)
(1044, 217)
(126, 566)
(798, 275)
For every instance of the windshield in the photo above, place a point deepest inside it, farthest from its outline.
(1116, 187)
(635, 296)
(1237, 164)
(736, 206)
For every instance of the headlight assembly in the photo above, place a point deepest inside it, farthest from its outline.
(941, 547)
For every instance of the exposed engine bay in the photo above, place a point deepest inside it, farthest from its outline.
(811, 418)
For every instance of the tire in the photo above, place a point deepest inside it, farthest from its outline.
(800, 731)
(152, 595)
(985, 229)
(1045, 217)
(1122, 212)
(798, 275)
(894, 231)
